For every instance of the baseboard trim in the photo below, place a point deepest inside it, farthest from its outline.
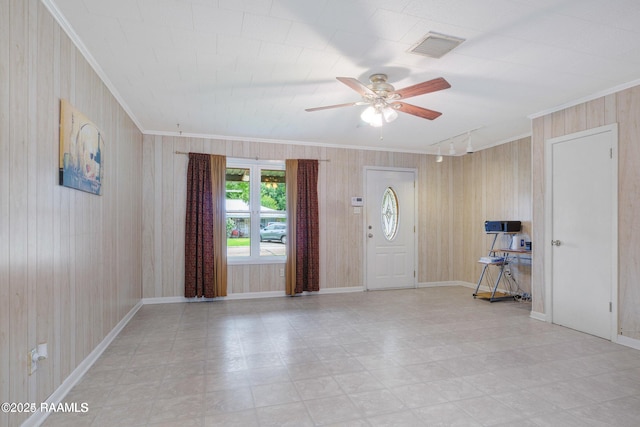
(474, 285)
(249, 295)
(439, 284)
(482, 288)
(338, 290)
(323, 291)
(254, 295)
(628, 342)
(74, 378)
(172, 300)
(538, 316)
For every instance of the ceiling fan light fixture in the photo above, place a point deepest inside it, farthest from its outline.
(367, 114)
(376, 116)
(389, 114)
(377, 120)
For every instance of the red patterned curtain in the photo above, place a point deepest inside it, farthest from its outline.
(205, 267)
(303, 253)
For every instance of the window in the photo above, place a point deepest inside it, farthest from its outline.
(389, 214)
(256, 211)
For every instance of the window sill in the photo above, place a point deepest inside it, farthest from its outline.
(256, 261)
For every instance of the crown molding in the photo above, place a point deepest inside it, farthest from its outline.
(585, 99)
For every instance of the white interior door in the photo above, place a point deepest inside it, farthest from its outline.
(390, 228)
(583, 231)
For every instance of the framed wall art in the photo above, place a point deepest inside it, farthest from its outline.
(81, 151)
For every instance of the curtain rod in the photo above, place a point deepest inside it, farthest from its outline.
(252, 158)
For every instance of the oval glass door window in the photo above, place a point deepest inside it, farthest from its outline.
(389, 214)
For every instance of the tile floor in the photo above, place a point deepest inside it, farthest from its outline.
(431, 356)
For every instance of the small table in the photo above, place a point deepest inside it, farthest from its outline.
(507, 254)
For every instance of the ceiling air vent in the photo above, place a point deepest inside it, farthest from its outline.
(435, 45)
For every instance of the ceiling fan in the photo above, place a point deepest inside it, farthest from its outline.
(384, 100)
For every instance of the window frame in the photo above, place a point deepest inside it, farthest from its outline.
(255, 167)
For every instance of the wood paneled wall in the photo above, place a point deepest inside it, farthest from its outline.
(70, 262)
(623, 108)
(454, 199)
(341, 245)
(492, 184)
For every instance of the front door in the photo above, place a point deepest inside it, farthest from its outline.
(390, 228)
(583, 230)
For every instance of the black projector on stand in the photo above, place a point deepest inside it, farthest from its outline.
(502, 226)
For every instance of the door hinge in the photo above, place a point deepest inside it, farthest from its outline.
(610, 307)
(611, 153)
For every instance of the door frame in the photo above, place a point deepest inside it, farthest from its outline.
(416, 184)
(548, 220)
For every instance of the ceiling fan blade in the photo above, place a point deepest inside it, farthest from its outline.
(422, 88)
(350, 104)
(356, 85)
(416, 111)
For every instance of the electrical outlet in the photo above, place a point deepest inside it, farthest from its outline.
(282, 272)
(32, 365)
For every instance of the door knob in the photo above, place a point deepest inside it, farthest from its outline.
(556, 243)
(370, 235)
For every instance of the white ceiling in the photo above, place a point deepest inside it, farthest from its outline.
(248, 68)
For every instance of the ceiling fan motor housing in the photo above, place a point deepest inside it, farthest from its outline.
(380, 86)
